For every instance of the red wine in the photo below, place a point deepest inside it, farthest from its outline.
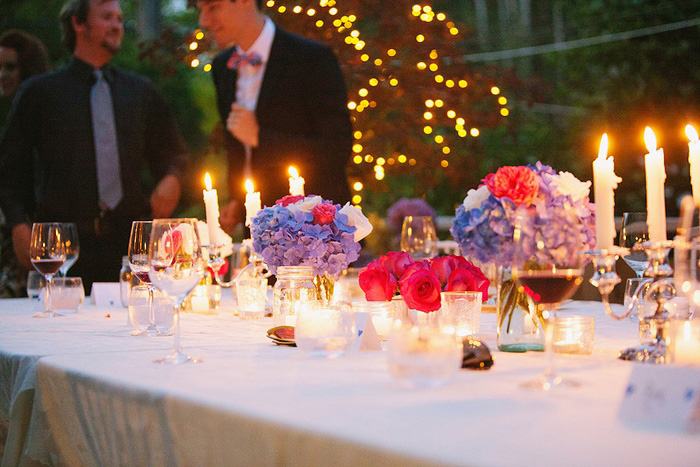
(47, 266)
(552, 287)
(143, 276)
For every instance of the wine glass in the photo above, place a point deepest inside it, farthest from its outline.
(47, 253)
(551, 266)
(72, 246)
(419, 237)
(176, 266)
(139, 241)
(635, 230)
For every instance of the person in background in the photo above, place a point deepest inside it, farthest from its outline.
(283, 97)
(21, 55)
(78, 142)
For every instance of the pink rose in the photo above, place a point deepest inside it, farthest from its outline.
(396, 262)
(377, 282)
(289, 199)
(443, 266)
(324, 214)
(468, 279)
(519, 183)
(420, 289)
(414, 267)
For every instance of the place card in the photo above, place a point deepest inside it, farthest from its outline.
(662, 397)
(106, 294)
(368, 339)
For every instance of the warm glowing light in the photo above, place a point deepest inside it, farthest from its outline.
(441, 16)
(439, 139)
(603, 149)
(293, 172)
(282, 9)
(363, 92)
(393, 81)
(449, 83)
(249, 186)
(364, 57)
(379, 175)
(460, 121)
(369, 158)
(650, 139)
(355, 33)
(270, 3)
(381, 161)
(297, 9)
(421, 65)
(373, 81)
(427, 115)
(429, 103)
(446, 150)
(439, 103)
(193, 46)
(474, 132)
(360, 45)
(207, 181)
(310, 12)
(502, 100)
(451, 114)
(357, 159)
(691, 132)
(352, 105)
(495, 90)
(391, 161)
(194, 63)
(427, 130)
(199, 36)
(357, 134)
(357, 148)
(439, 78)
(207, 67)
(352, 18)
(444, 163)
(462, 133)
(378, 61)
(462, 83)
(357, 199)
(415, 7)
(412, 161)
(505, 112)
(357, 186)
(391, 52)
(433, 54)
(333, 11)
(420, 38)
(433, 67)
(402, 159)
(454, 31)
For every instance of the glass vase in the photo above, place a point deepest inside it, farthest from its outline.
(294, 287)
(520, 328)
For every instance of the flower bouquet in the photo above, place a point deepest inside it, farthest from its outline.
(310, 231)
(558, 215)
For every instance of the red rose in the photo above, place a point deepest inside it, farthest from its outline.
(420, 289)
(443, 266)
(414, 267)
(323, 214)
(518, 183)
(377, 282)
(396, 262)
(289, 199)
(468, 279)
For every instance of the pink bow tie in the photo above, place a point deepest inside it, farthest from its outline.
(238, 58)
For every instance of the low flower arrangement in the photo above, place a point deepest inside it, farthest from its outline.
(420, 282)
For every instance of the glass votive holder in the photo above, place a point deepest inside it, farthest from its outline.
(140, 313)
(573, 334)
(251, 293)
(421, 352)
(67, 294)
(683, 342)
(380, 312)
(460, 312)
(324, 330)
(205, 299)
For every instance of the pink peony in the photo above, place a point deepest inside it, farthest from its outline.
(396, 262)
(289, 199)
(323, 214)
(420, 289)
(377, 282)
(515, 182)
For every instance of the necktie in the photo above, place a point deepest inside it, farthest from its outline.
(109, 183)
(237, 59)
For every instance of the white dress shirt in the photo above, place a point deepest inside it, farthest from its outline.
(250, 77)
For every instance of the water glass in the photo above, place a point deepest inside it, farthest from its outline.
(35, 286)
(419, 237)
(324, 330)
(251, 293)
(631, 287)
(461, 312)
(68, 294)
(140, 316)
(72, 246)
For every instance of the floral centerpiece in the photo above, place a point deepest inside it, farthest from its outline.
(559, 213)
(310, 231)
(420, 282)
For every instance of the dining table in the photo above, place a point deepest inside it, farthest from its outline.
(81, 390)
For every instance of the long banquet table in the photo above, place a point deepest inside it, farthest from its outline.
(79, 390)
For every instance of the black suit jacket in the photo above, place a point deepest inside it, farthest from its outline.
(303, 118)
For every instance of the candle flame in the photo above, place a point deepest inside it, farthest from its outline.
(650, 139)
(603, 151)
(691, 132)
(293, 172)
(207, 181)
(249, 186)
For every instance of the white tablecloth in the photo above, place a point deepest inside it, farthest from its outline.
(252, 403)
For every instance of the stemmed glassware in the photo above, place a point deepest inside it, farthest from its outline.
(176, 266)
(47, 253)
(139, 241)
(635, 230)
(553, 272)
(419, 237)
(72, 246)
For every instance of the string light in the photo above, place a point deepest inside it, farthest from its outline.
(357, 186)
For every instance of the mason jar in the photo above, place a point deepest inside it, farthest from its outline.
(294, 287)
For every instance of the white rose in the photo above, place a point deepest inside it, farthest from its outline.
(476, 197)
(307, 204)
(565, 183)
(357, 220)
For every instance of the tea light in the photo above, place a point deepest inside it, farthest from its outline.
(199, 300)
(573, 334)
(685, 342)
(382, 324)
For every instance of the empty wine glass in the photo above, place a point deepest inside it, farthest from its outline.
(72, 246)
(552, 270)
(176, 266)
(47, 253)
(635, 230)
(139, 241)
(419, 237)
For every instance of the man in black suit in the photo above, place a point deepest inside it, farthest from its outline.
(282, 96)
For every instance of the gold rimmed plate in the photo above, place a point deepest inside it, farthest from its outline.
(282, 335)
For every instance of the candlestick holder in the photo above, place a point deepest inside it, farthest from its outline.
(256, 267)
(658, 288)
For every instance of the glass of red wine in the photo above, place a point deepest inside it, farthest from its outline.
(47, 253)
(550, 263)
(139, 241)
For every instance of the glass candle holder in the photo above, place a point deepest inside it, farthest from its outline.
(381, 314)
(461, 312)
(251, 293)
(139, 310)
(205, 298)
(573, 334)
(293, 290)
(684, 342)
(324, 330)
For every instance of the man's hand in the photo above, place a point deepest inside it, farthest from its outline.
(230, 215)
(21, 238)
(243, 125)
(165, 197)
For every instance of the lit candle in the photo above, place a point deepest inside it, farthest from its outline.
(296, 183)
(694, 159)
(656, 199)
(211, 207)
(604, 183)
(687, 345)
(252, 202)
(382, 324)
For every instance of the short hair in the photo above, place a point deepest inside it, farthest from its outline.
(79, 9)
(32, 57)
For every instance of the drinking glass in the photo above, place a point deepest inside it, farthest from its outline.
(47, 253)
(324, 330)
(419, 237)
(35, 286)
(635, 230)
(251, 295)
(68, 294)
(72, 245)
(176, 266)
(144, 304)
(139, 241)
(552, 272)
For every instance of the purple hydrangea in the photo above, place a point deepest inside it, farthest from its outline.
(407, 207)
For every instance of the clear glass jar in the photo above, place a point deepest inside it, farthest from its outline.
(125, 277)
(294, 286)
